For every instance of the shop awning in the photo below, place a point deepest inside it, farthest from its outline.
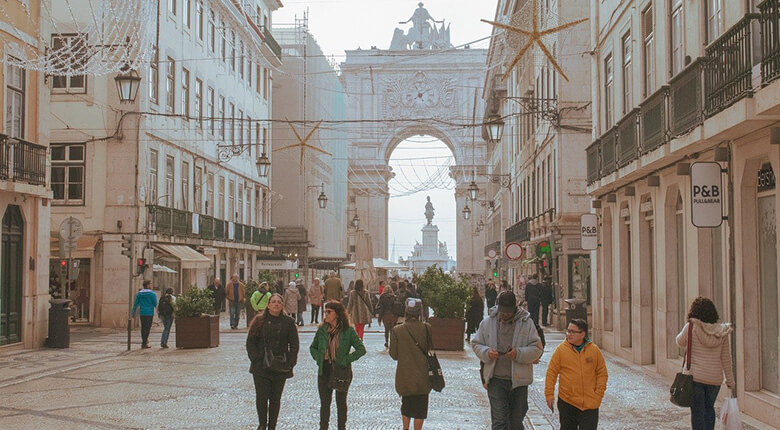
(163, 269)
(190, 258)
(84, 247)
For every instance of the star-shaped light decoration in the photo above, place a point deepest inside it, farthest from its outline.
(535, 38)
(303, 143)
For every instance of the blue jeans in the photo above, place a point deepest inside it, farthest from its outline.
(235, 313)
(507, 406)
(703, 406)
(167, 323)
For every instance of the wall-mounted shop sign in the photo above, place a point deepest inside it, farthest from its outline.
(589, 231)
(706, 194)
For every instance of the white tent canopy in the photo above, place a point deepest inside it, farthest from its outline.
(379, 263)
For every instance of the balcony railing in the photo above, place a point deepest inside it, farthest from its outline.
(273, 45)
(593, 157)
(176, 222)
(518, 232)
(628, 142)
(22, 161)
(685, 100)
(608, 152)
(729, 67)
(653, 122)
(770, 40)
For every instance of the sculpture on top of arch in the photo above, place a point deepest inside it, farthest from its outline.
(423, 34)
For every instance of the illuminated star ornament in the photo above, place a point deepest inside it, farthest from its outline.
(535, 38)
(303, 143)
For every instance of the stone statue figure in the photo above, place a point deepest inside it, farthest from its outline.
(423, 34)
(429, 210)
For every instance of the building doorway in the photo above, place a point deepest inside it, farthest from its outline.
(12, 266)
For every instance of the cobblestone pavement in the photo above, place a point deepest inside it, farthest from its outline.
(97, 384)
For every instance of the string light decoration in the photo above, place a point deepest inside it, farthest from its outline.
(303, 143)
(99, 37)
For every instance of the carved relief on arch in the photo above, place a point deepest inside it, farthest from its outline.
(419, 96)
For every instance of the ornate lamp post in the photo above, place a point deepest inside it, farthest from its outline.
(322, 199)
(495, 127)
(127, 84)
(466, 212)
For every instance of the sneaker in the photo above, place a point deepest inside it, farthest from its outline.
(164, 346)
(145, 346)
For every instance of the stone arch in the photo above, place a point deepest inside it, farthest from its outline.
(399, 135)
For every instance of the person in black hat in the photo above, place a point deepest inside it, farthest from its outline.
(508, 344)
(407, 341)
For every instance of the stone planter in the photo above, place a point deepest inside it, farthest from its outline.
(447, 334)
(197, 332)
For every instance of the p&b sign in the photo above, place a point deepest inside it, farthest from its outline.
(706, 194)
(589, 231)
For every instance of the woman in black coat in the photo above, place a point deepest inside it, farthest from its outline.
(272, 345)
(474, 314)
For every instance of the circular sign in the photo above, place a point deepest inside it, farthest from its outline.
(514, 251)
(71, 229)
(492, 254)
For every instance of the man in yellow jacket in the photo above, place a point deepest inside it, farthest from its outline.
(583, 379)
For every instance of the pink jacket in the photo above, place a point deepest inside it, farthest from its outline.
(710, 352)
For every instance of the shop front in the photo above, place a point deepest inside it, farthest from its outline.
(179, 267)
(71, 277)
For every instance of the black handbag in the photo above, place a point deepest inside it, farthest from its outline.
(435, 375)
(275, 363)
(340, 377)
(682, 387)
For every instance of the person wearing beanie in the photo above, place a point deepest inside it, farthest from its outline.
(291, 297)
(508, 344)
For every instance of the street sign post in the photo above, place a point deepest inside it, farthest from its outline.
(514, 251)
(70, 232)
(589, 232)
(706, 194)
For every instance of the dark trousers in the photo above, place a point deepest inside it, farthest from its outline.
(167, 323)
(235, 313)
(315, 314)
(326, 398)
(574, 419)
(507, 406)
(268, 399)
(146, 327)
(703, 406)
(533, 309)
(545, 313)
(299, 318)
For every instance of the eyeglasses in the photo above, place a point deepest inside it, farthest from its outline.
(574, 331)
(328, 311)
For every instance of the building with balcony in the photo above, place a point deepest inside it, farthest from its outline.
(677, 83)
(308, 92)
(24, 196)
(176, 168)
(536, 171)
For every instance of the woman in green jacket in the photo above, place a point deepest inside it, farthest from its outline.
(334, 343)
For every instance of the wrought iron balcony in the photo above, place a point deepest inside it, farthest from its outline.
(518, 232)
(770, 40)
(206, 227)
(593, 157)
(179, 223)
(628, 142)
(182, 222)
(729, 67)
(653, 122)
(273, 45)
(609, 152)
(22, 161)
(685, 99)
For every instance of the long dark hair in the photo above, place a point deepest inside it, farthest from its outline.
(342, 319)
(256, 326)
(359, 285)
(703, 310)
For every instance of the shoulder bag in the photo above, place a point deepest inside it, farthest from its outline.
(682, 387)
(435, 375)
(274, 363)
(340, 376)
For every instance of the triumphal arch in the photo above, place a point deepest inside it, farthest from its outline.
(421, 85)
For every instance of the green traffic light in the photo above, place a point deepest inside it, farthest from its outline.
(495, 274)
(296, 276)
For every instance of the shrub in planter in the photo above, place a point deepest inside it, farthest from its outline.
(447, 297)
(195, 326)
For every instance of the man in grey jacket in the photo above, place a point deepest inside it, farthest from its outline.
(508, 344)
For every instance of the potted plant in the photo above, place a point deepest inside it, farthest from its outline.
(196, 327)
(447, 297)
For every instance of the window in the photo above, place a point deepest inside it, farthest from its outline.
(240, 127)
(231, 213)
(170, 83)
(154, 77)
(265, 140)
(628, 102)
(648, 51)
(185, 92)
(221, 116)
(14, 101)
(240, 208)
(68, 166)
(172, 6)
(682, 304)
(249, 135)
(258, 79)
(223, 41)
(197, 188)
(186, 7)
(212, 31)
(153, 175)
(608, 92)
(199, 19)
(210, 195)
(249, 66)
(199, 102)
(169, 175)
(210, 107)
(232, 50)
(185, 185)
(241, 60)
(714, 19)
(231, 137)
(676, 38)
(265, 83)
(76, 46)
(219, 207)
(767, 267)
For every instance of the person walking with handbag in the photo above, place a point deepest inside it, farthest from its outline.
(359, 307)
(508, 344)
(301, 301)
(581, 373)
(315, 299)
(335, 347)
(710, 359)
(272, 345)
(409, 343)
(387, 314)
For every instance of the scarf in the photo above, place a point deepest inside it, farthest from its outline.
(333, 344)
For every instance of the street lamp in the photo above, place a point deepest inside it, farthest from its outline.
(356, 221)
(495, 127)
(263, 165)
(466, 212)
(322, 199)
(473, 190)
(127, 83)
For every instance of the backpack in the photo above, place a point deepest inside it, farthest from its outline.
(398, 305)
(165, 307)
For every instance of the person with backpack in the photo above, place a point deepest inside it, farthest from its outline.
(387, 315)
(165, 309)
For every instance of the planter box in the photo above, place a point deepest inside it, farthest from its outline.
(447, 333)
(197, 332)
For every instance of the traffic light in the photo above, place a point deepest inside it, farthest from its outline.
(297, 275)
(495, 273)
(141, 266)
(127, 246)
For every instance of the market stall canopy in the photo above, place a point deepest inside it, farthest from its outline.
(190, 258)
(380, 263)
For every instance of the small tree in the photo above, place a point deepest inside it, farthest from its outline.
(194, 303)
(444, 294)
(266, 276)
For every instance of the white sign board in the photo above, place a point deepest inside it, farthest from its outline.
(706, 194)
(589, 231)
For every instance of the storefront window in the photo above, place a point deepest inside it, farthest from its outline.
(76, 285)
(579, 276)
(767, 254)
(679, 225)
